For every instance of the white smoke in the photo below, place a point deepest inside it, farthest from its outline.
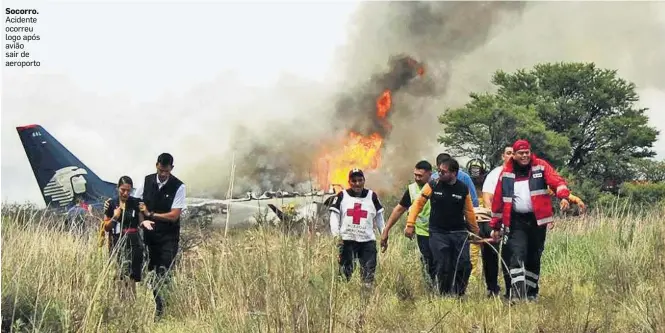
(460, 43)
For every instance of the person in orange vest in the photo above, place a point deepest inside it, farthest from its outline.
(451, 221)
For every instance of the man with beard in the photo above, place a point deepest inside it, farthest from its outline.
(353, 214)
(523, 206)
(421, 174)
(461, 176)
(451, 219)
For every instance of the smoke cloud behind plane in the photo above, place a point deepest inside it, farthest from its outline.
(463, 43)
(274, 131)
(434, 33)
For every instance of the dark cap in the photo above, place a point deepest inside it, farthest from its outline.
(356, 172)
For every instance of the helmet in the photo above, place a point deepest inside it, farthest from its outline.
(477, 170)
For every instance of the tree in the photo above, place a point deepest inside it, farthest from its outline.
(484, 126)
(649, 170)
(592, 107)
(575, 115)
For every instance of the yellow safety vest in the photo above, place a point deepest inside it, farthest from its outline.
(422, 221)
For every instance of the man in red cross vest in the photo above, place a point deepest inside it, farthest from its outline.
(523, 206)
(354, 213)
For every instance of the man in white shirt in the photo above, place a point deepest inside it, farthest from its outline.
(353, 214)
(489, 252)
(162, 201)
(493, 177)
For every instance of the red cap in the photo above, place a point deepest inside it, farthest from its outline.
(520, 145)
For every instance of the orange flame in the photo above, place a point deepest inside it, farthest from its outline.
(383, 104)
(357, 151)
(420, 70)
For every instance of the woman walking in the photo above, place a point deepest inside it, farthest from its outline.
(122, 218)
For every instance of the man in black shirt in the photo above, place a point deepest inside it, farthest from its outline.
(451, 219)
(163, 199)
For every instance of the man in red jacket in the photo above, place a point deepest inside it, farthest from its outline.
(522, 205)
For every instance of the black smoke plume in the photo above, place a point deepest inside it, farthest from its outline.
(409, 36)
(357, 111)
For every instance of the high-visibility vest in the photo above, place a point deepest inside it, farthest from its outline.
(422, 221)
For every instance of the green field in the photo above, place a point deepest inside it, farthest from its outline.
(600, 274)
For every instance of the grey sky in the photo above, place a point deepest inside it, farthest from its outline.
(111, 69)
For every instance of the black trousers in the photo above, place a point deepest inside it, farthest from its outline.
(452, 258)
(162, 250)
(130, 256)
(427, 259)
(365, 252)
(526, 242)
(491, 262)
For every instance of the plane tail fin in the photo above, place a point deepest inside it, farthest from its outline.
(62, 178)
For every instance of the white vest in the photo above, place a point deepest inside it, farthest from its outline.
(357, 217)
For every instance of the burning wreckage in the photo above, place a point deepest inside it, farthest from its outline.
(273, 206)
(359, 143)
(366, 124)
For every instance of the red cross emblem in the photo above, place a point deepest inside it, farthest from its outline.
(357, 213)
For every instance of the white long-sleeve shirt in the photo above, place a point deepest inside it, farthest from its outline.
(354, 216)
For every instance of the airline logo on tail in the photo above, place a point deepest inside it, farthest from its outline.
(64, 184)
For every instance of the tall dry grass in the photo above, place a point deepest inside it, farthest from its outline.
(601, 273)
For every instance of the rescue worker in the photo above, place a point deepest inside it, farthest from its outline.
(353, 214)
(490, 251)
(461, 175)
(163, 199)
(123, 215)
(522, 205)
(492, 178)
(421, 174)
(466, 179)
(450, 221)
(477, 170)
